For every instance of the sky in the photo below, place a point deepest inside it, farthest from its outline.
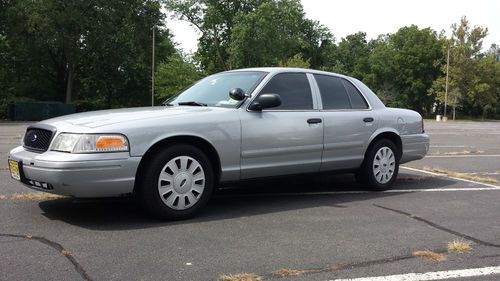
(379, 17)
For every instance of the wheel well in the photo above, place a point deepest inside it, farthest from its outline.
(198, 142)
(395, 138)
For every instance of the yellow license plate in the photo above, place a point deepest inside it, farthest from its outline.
(14, 170)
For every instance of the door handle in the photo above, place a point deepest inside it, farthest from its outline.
(314, 120)
(368, 119)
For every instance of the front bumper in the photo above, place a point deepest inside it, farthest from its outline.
(78, 175)
(414, 147)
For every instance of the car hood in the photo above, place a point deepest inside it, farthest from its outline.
(95, 119)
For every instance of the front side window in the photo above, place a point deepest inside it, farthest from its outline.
(214, 90)
(294, 90)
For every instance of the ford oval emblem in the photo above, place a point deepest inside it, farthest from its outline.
(33, 138)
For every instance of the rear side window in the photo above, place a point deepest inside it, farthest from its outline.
(333, 93)
(293, 89)
(357, 100)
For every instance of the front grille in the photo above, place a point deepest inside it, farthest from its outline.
(37, 139)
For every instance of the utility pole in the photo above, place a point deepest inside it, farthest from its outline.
(446, 87)
(153, 71)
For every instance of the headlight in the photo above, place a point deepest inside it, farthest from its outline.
(82, 143)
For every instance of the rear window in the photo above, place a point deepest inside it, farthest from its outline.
(357, 100)
(333, 93)
(338, 93)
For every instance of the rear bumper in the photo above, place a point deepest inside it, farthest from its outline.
(83, 175)
(414, 147)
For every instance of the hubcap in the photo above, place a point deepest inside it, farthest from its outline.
(384, 165)
(181, 183)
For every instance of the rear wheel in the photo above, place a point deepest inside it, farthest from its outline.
(380, 167)
(177, 183)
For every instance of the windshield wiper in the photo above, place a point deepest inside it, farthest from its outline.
(192, 103)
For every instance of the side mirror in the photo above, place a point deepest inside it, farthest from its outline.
(265, 101)
(237, 94)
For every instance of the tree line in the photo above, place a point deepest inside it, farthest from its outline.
(98, 53)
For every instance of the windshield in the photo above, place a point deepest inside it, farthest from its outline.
(214, 90)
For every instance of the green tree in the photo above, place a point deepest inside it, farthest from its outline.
(402, 66)
(473, 82)
(117, 71)
(245, 33)
(317, 40)
(49, 40)
(96, 53)
(417, 56)
(296, 61)
(351, 56)
(488, 88)
(174, 75)
(215, 20)
(268, 35)
(379, 77)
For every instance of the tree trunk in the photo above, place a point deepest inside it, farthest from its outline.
(109, 97)
(69, 84)
(454, 106)
(217, 49)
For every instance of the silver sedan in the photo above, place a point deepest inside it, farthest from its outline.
(231, 126)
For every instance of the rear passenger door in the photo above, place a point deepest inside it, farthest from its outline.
(286, 139)
(348, 123)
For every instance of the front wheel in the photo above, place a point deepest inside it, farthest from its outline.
(380, 167)
(177, 183)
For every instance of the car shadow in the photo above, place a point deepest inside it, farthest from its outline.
(247, 199)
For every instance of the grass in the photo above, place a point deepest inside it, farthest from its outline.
(241, 277)
(66, 253)
(430, 255)
(34, 196)
(462, 175)
(288, 272)
(459, 246)
(31, 196)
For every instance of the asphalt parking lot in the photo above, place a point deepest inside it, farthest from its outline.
(317, 228)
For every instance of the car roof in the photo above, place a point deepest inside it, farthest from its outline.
(372, 98)
(288, 69)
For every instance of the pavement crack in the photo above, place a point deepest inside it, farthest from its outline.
(439, 227)
(352, 265)
(56, 246)
(489, 256)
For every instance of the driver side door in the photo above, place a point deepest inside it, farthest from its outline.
(287, 139)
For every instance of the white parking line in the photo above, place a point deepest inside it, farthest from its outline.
(437, 275)
(462, 156)
(449, 146)
(446, 176)
(487, 187)
(443, 189)
(484, 173)
(281, 194)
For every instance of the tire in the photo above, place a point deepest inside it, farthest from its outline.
(177, 183)
(380, 167)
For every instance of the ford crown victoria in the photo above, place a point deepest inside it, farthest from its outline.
(231, 126)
